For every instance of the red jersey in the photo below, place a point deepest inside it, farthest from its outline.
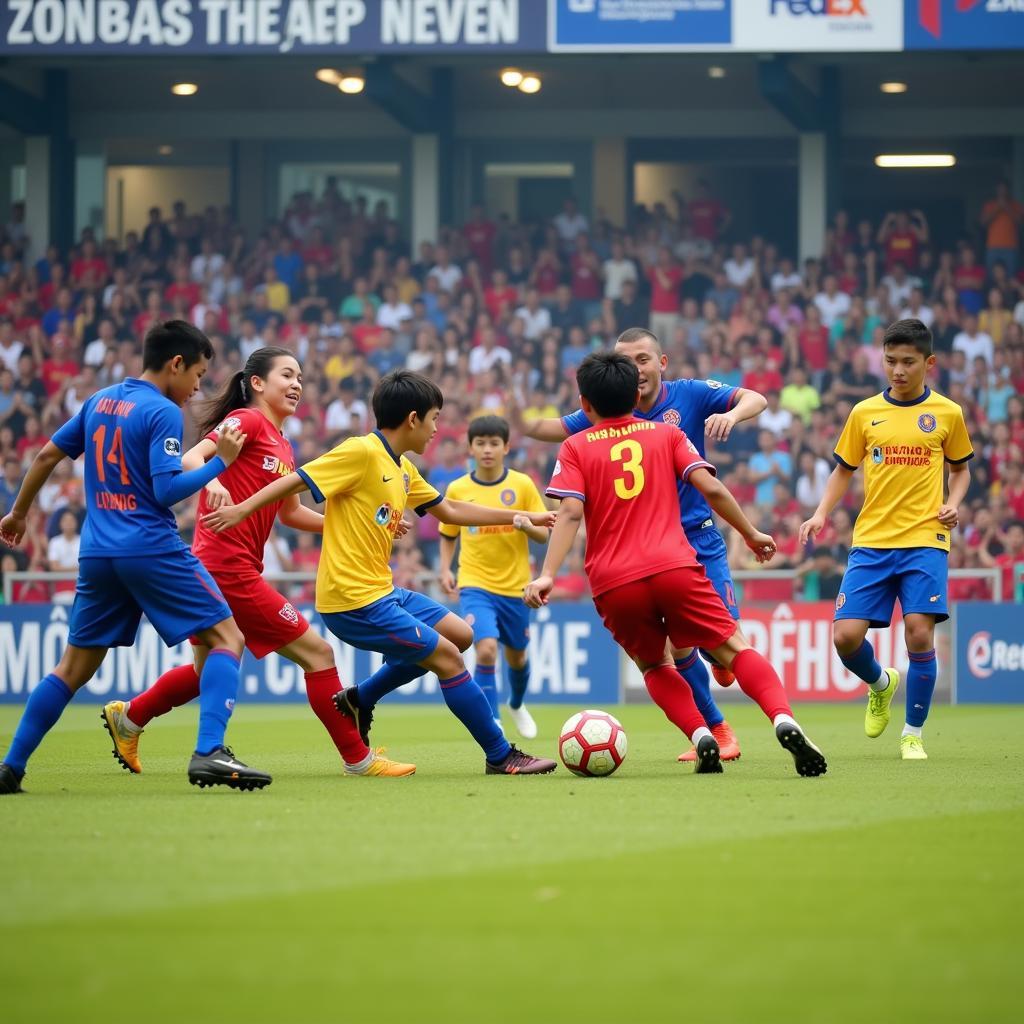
(479, 237)
(705, 215)
(665, 288)
(901, 247)
(266, 456)
(625, 471)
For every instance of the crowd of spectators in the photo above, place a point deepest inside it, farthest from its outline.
(500, 314)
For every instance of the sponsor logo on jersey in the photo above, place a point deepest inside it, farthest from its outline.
(671, 417)
(926, 421)
(877, 456)
(172, 446)
(508, 496)
(840, 600)
(272, 464)
(714, 383)
(383, 515)
(232, 421)
(288, 613)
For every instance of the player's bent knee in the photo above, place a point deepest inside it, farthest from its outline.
(847, 636)
(486, 651)
(516, 659)
(225, 635)
(446, 660)
(920, 636)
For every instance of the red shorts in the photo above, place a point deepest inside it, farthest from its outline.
(679, 605)
(267, 619)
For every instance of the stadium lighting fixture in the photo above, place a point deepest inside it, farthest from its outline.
(915, 160)
(530, 84)
(352, 84)
(716, 72)
(512, 77)
(184, 88)
(328, 76)
(165, 150)
(893, 88)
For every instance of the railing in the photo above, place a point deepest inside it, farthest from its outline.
(427, 582)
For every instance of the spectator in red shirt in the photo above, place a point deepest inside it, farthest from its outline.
(48, 290)
(500, 297)
(479, 234)
(586, 274)
(760, 377)
(59, 366)
(969, 281)
(709, 217)
(33, 439)
(182, 288)
(812, 340)
(317, 250)
(89, 272)
(665, 278)
(903, 234)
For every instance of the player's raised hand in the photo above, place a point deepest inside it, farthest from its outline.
(719, 426)
(536, 592)
(811, 528)
(224, 518)
(217, 495)
(949, 516)
(229, 444)
(12, 529)
(544, 519)
(762, 545)
(447, 580)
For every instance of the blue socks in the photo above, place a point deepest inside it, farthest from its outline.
(863, 664)
(389, 677)
(218, 688)
(695, 673)
(518, 681)
(486, 679)
(466, 701)
(45, 705)
(920, 686)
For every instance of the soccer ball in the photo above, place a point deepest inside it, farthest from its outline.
(592, 743)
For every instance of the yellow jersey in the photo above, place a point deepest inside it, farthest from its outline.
(367, 487)
(903, 446)
(494, 558)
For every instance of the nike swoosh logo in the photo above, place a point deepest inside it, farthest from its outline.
(229, 764)
(387, 479)
(875, 423)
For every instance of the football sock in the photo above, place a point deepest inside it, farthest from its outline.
(218, 688)
(862, 663)
(695, 672)
(674, 698)
(759, 681)
(171, 690)
(913, 730)
(784, 720)
(920, 686)
(320, 688)
(45, 705)
(486, 679)
(466, 701)
(388, 678)
(518, 681)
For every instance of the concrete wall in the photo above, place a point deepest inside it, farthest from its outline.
(131, 191)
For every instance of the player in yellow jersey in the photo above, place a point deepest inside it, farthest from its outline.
(494, 566)
(903, 437)
(367, 483)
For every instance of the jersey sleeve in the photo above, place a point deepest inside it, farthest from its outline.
(421, 495)
(849, 450)
(567, 480)
(449, 529)
(575, 422)
(70, 438)
(337, 471)
(957, 447)
(165, 426)
(714, 396)
(240, 419)
(687, 458)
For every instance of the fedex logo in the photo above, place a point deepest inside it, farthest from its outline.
(819, 8)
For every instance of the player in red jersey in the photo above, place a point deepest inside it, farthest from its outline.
(647, 583)
(256, 401)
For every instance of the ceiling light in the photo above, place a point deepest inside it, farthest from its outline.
(511, 77)
(530, 84)
(893, 87)
(184, 88)
(328, 76)
(716, 72)
(352, 84)
(165, 150)
(915, 160)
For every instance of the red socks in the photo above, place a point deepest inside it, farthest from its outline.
(759, 681)
(673, 696)
(171, 690)
(320, 688)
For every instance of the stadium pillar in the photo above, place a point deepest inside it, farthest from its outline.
(61, 161)
(813, 184)
(91, 189)
(249, 185)
(609, 179)
(37, 194)
(426, 189)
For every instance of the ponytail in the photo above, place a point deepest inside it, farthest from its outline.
(236, 392)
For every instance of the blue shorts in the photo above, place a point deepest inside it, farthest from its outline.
(712, 553)
(876, 577)
(173, 590)
(399, 626)
(492, 615)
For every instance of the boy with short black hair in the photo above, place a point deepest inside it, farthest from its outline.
(494, 566)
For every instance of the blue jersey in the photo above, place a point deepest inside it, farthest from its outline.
(685, 404)
(129, 433)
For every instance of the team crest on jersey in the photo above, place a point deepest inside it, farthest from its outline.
(172, 446)
(405, 481)
(672, 418)
(558, 468)
(508, 496)
(877, 455)
(692, 447)
(232, 421)
(840, 600)
(383, 515)
(714, 384)
(289, 614)
(926, 421)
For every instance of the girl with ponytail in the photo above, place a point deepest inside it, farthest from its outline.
(256, 401)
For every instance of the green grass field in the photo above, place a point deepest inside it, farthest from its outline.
(882, 892)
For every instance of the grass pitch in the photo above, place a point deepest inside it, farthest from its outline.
(883, 891)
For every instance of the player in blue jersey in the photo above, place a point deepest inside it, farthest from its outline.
(699, 408)
(132, 559)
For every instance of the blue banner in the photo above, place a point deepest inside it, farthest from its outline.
(655, 25)
(270, 26)
(964, 25)
(990, 654)
(573, 660)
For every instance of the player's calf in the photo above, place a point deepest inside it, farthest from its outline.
(347, 702)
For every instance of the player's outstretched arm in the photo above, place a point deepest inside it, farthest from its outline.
(195, 458)
(749, 404)
(445, 576)
(171, 487)
(232, 515)
(12, 526)
(570, 515)
(549, 429)
(838, 484)
(540, 534)
(721, 500)
(465, 513)
(295, 515)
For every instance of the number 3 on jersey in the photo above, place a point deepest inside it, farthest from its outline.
(115, 456)
(630, 454)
